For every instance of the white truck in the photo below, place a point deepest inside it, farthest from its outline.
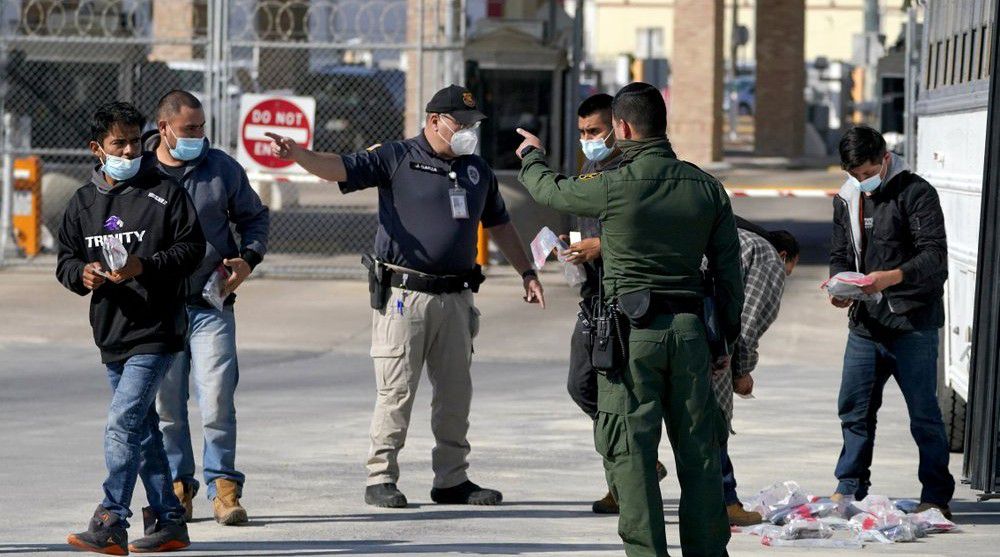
(952, 109)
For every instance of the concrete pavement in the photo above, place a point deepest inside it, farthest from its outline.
(305, 399)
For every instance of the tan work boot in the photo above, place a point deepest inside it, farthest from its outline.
(740, 517)
(608, 505)
(185, 494)
(227, 503)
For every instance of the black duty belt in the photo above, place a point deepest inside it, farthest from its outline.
(673, 304)
(434, 285)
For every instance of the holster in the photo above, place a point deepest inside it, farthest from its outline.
(718, 345)
(378, 281)
(637, 307)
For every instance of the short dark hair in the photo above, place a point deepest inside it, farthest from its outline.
(861, 145)
(600, 102)
(784, 241)
(641, 105)
(171, 103)
(111, 114)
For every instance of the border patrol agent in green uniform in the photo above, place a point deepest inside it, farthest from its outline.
(660, 216)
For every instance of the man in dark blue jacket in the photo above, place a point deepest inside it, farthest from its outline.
(223, 197)
(888, 224)
(129, 238)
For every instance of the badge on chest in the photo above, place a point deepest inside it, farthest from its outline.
(458, 198)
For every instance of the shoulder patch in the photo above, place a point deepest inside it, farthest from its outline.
(373, 147)
(591, 176)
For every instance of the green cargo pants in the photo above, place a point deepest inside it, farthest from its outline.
(668, 379)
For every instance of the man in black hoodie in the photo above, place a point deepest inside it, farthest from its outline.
(888, 224)
(137, 314)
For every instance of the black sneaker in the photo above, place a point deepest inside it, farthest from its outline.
(466, 493)
(160, 536)
(385, 495)
(106, 534)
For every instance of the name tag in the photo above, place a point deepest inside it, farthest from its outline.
(459, 204)
(430, 168)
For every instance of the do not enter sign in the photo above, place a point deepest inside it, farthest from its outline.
(291, 117)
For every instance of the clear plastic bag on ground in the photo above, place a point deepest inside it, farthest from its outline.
(115, 254)
(932, 521)
(908, 506)
(829, 543)
(847, 285)
(212, 292)
(777, 498)
(806, 529)
(820, 508)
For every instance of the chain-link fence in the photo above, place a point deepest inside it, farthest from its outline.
(369, 65)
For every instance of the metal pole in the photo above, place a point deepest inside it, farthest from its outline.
(450, 24)
(6, 206)
(418, 113)
(572, 95)
(208, 83)
(734, 97)
(911, 68)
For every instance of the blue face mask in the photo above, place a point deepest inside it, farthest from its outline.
(187, 148)
(120, 169)
(868, 185)
(596, 149)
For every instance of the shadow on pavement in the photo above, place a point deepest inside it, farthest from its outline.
(291, 548)
(975, 514)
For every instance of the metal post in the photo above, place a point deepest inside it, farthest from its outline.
(734, 96)
(911, 69)
(419, 112)
(572, 95)
(208, 84)
(6, 206)
(450, 21)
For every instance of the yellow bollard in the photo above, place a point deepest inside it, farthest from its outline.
(483, 247)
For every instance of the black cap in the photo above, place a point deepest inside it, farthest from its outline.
(457, 102)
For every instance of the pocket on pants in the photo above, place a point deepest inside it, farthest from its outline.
(612, 396)
(474, 316)
(387, 351)
(610, 435)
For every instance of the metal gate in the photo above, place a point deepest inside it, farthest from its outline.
(369, 65)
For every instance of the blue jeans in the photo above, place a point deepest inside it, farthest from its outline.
(728, 478)
(911, 359)
(133, 445)
(210, 359)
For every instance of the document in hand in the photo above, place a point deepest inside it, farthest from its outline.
(847, 285)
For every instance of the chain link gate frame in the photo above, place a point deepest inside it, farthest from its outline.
(369, 64)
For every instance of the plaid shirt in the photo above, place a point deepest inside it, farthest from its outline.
(764, 282)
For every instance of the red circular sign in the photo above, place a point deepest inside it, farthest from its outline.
(276, 116)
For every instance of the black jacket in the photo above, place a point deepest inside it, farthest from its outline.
(155, 220)
(905, 231)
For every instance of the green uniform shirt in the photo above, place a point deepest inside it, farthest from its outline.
(659, 217)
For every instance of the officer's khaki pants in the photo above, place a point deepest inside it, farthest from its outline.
(436, 329)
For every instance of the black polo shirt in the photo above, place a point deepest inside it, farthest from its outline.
(415, 224)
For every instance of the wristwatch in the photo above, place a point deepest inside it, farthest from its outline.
(524, 152)
(530, 272)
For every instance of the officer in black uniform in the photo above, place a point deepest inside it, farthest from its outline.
(433, 194)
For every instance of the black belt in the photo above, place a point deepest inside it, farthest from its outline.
(673, 304)
(432, 284)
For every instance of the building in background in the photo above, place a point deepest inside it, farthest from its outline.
(641, 28)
